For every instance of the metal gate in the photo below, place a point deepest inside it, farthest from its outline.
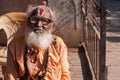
(94, 36)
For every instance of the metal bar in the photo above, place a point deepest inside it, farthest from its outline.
(103, 39)
(94, 36)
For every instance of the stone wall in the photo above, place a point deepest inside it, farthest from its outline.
(67, 19)
(13, 5)
(17, 5)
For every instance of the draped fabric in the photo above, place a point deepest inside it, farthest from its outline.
(10, 25)
(57, 69)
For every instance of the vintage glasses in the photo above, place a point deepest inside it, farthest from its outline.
(44, 21)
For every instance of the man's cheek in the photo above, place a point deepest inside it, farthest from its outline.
(48, 27)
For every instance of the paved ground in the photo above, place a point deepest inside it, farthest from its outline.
(78, 64)
(113, 40)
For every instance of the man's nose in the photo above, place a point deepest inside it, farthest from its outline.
(40, 24)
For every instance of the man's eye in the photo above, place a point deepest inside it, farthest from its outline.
(33, 21)
(44, 22)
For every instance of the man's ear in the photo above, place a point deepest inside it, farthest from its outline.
(53, 26)
(3, 38)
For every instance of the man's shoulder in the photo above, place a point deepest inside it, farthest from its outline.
(17, 40)
(58, 39)
(14, 16)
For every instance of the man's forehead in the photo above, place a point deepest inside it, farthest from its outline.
(41, 11)
(44, 12)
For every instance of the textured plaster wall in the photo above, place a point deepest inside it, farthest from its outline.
(13, 5)
(17, 5)
(68, 23)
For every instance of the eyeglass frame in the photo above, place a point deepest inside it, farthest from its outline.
(43, 20)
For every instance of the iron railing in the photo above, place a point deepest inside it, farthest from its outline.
(94, 35)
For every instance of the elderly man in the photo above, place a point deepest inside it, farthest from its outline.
(39, 55)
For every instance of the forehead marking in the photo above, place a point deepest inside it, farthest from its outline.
(41, 11)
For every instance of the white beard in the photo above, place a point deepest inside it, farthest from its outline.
(39, 40)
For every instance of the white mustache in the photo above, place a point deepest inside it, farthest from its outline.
(35, 29)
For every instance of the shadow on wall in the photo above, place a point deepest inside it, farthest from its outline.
(113, 9)
(113, 39)
(84, 64)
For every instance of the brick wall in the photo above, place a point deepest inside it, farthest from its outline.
(68, 26)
